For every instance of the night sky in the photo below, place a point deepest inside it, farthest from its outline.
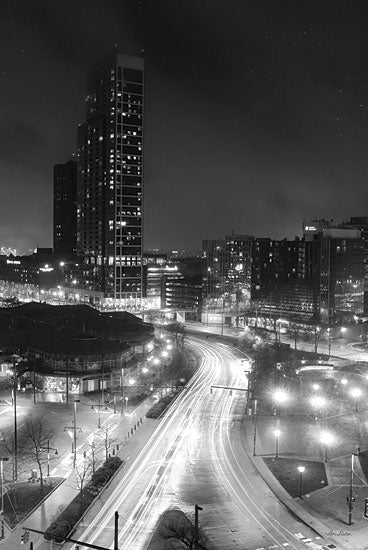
(256, 111)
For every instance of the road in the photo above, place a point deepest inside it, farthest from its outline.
(196, 456)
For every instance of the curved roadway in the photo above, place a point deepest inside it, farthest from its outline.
(196, 456)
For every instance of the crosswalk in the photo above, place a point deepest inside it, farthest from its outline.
(315, 544)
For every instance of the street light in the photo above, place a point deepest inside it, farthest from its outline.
(48, 449)
(4, 459)
(197, 508)
(326, 439)
(329, 341)
(301, 469)
(356, 393)
(350, 498)
(317, 402)
(277, 434)
(126, 405)
(74, 428)
(280, 396)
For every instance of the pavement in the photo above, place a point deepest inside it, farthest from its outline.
(324, 510)
(43, 515)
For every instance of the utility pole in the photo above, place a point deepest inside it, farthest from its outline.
(350, 498)
(74, 428)
(116, 532)
(255, 427)
(197, 508)
(2, 495)
(75, 431)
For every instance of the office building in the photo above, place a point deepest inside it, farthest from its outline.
(110, 178)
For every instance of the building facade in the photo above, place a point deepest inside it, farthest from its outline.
(110, 177)
(227, 272)
(65, 209)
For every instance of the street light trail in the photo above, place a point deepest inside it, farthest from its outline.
(194, 443)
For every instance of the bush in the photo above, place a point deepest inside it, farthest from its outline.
(101, 476)
(159, 408)
(60, 529)
(113, 463)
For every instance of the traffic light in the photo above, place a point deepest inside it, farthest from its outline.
(24, 537)
(366, 507)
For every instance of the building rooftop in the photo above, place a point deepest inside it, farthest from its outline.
(73, 330)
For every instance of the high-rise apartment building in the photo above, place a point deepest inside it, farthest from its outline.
(65, 208)
(110, 177)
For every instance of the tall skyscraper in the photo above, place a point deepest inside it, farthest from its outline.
(65, 208)
(110, 177)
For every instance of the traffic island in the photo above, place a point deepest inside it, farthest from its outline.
(68, 518)
(298, 477)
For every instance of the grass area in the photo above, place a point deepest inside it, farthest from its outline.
(20, 500)
(363, 459)
(286, 472)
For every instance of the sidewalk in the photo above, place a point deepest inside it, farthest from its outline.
(315, 509)
(44, 514)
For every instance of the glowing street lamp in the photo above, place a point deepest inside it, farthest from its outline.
(126, 404)
(277, 434)
(280, 397)
(356, 393)
(317, 402)
(301, 470)
(316, 387)
(326, 438)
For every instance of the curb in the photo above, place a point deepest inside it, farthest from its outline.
(320, 528)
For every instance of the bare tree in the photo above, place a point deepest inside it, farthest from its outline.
(82, 472)
(34, 439)
(175, 328)
(109, 441)
(293, 331)
(182, 529)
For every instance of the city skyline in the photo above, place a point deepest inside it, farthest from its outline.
(252, 111)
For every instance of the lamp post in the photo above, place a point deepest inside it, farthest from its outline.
(126, 404)
(48, 449)
(197, 508)
(98, 411)
(277, 434)
(122, 391)
(329, 341)
(4, 459)
(74, 428)
(255, 427)
(301, 469)
(222, 316)
(280, 396)
(351, 486)
(316, 338)
(326, 439)
(356, 393)
(317, 402)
